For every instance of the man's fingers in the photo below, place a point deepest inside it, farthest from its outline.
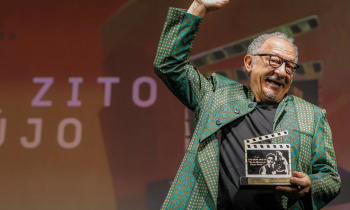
(287, 189)
(302, 186)
(300, 182)
(290, 192)
(299, 174)
(300, 179)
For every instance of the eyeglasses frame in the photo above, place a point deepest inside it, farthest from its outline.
(283, 61)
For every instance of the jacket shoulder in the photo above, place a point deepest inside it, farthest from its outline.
(222, 81)
(303, 104)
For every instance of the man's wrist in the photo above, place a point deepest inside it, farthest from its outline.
(197, 9)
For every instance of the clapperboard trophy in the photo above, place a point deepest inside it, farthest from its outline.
(266, 165)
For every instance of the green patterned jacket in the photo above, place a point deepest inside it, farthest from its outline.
(215, 101)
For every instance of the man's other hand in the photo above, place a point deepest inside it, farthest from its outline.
(302, 186)
(201, 7)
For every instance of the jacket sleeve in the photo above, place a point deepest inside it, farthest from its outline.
(172, 61)
(325, 180)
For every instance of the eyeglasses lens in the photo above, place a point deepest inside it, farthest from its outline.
(277, 62)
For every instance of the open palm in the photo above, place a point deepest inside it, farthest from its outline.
(211, 5)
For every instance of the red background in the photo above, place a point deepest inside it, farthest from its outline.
(125, 146)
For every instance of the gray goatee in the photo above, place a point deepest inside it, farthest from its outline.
(277, 79)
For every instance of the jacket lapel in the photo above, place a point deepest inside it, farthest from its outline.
(280, 112)
(208, 151)
(222, 115)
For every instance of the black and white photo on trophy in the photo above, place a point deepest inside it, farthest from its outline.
(267, 162)
(275, 164)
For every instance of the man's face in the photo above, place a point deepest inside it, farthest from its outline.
(269, 83)
(269, 160)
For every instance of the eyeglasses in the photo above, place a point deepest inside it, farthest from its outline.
(276, 61)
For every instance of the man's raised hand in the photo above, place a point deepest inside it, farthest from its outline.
(201, 7)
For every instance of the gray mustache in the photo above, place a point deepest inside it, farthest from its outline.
(277, 79)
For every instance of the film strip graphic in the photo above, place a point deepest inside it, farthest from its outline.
(268, 146)
(236, 48)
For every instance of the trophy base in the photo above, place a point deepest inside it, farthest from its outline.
(263, 182)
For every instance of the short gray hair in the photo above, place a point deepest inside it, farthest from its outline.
(255, 46)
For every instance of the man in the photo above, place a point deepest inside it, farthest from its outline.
(269, 167)
(281, 164)
(228, 112)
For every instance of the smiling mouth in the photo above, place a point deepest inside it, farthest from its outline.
(275, 81)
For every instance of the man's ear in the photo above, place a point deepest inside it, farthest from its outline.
(248, 62)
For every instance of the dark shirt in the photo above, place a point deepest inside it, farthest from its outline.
(268, 169)
(232, 160)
